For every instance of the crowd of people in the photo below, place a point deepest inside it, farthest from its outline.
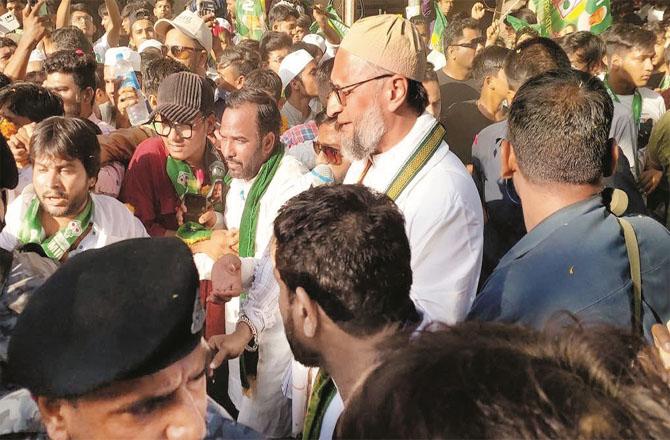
(319, 231)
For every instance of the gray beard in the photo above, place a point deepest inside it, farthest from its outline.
(365, 137)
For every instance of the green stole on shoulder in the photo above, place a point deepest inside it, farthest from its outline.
(323, 392)
(248, 224)
(56, 246)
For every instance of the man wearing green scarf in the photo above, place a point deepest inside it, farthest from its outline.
(262, 179)
(58, 215)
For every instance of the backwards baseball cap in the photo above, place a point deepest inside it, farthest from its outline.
(189, 24)
(183, 96)
(112, 56)
(117, 313)
(388, 41)
(292, 65)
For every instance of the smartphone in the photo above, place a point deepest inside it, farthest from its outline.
(206, 7)
(196, 205)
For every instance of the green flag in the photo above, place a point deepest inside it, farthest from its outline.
(250, 19)
(437, 37)
(334, 21)
(576, 15)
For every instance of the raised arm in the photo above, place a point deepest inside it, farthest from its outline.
(115, 19)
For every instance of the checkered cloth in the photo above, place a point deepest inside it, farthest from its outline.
(299, 134)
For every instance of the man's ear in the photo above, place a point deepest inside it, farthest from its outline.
(52, 413)
(211, 123)
(308, 310)
(268, 143)
(450, 52)
(153, 101)
(615, 61)
(89, 95)
(239, 82)
(203, 59)
(611, 159)
(509, 165)
(399, 92)
(275, 27)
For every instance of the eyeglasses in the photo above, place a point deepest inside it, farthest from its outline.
(164, 128)
(333, 155)
(82, 18)
(182, 53)
(342, 94)
(472, 44)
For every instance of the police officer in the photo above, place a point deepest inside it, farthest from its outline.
(576, 256)
(111, 347)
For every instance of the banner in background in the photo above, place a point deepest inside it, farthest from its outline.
(437, 37)
(564, 16)
(334, 20)
(250, 18)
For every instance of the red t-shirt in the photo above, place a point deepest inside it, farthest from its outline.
(149, 190)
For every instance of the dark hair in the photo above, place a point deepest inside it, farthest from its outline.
(5, 80)
(455, 28)
(495, 380)
(419, 20)
(250, 45)
(139, 15)
(268, 118)
(533, 57)
(323, 83)
(488, 62)
(157, 70)
(559, 125)
(311, 49)
(81, 67)
(304, 21)
(148, 55)
(417, 96)
(265, 80)
(68, 138)
(431, 74)
(36, 77)
(71, 38)
(525, 14)
(102, 10)
(589, 49)
(624, 37)
(282, 13)
(347, 247)
(81, 7)
(31, 101)
(656, 28)
(243, 62)
(7, 42)
(525, 31)
(272, 41)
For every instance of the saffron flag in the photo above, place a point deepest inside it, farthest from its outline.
(565, 16)
(250, 19)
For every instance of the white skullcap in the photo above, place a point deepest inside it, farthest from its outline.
(292, 65)
(111, 56)
(316, 40)
(146, 44)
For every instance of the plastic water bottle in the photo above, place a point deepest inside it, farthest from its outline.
(138, 114)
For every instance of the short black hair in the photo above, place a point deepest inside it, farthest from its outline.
(243, 61)
(7, 42)
(346, 246)
(304, 21)
(419, 20)
(525, 14)
(71, 38)
(69, 138)
(272, 41)
(282, 13)
(533, 57)
(249, 45)
(323, 77)
(488, 62)
(31, 101)
(81, 7)
(495, 380)
(157, 70)
(559, 125)
(82, 67)
(455, 28)
(265, 80)
(589, 49)
(624, 37)
(417, 96)
(4, 80)
(268, 118)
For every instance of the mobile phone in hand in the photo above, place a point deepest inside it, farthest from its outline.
(196, 205)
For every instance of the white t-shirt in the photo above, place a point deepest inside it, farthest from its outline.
(100, 47)
(653, 106)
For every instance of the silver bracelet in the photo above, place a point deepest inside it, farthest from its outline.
(254, 334)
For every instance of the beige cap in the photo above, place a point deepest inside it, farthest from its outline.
(388, 41)
(190, 25)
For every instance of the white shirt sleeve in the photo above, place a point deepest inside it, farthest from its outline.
(262, 297)
(9, 235)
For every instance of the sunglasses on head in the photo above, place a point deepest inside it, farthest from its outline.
(333, 155)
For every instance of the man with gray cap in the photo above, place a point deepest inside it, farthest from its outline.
(187, 39)
(399, 149)
(106, 356)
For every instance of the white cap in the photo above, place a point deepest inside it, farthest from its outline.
(146, 44)
(292, 65)
(112, 54)
(316, 40)
(190, 24)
